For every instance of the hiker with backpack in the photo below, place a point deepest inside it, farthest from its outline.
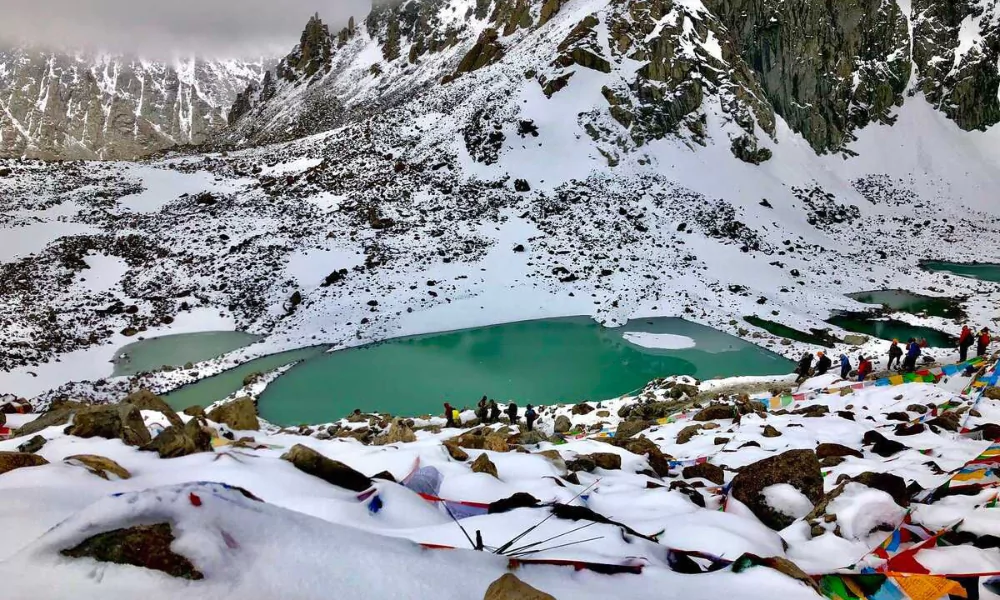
(845, 366)
(965, 341)
(805, 365)
(864, 368)
(983, 341)
(481, 410)
(512, 413)
(823, 364)
(912, 352)
(494, 412)
(895, 354)
(449, 415)
(529, 416)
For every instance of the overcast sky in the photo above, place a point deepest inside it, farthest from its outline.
(157, 28)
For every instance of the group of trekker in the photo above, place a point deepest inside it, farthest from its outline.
(488, 413)
(904, 359)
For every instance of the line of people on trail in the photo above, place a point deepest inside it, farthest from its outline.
(905, 360)
(488, 413)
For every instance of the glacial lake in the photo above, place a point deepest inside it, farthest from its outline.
(538, 362)
(983, 271)
(176, 350)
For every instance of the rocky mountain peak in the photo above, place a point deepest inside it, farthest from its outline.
(312, 55)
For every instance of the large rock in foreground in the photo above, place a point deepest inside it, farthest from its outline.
(331, 471)
(17, 460)
(798, 468)
(147, 400)
(175, 442)
(112, 421)
(99, 465)
(146, 546)
(240, 414)
(509, 587)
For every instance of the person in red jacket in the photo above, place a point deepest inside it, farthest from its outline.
(983, 341)
(864, 368)
(964, 342)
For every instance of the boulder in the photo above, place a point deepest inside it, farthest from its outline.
(917, 408)
(705, 470)
(528, 438)
(194, 411)
(240, 414)
(455, 452)
(627, 429)
(99, 465)
(658, 461)
(988, 431)
(331, 471)
(146, 546)
(685, 435)
(509, 587)
(907, 429)
(57, 415)
(398, 433)
(33, 445)
(147, 400)
(517, 500)
(855, 340)
(10, 461)
(770, 432)
(815, 410)
(173, 442)
(992, 392)
(893, 485)
(563, 424)
(881, 445)
(110, 421)
(716, 411)
(582, 409)
(948, 421)
(827, 450)
(483, 464)
(581, 463)
(607, 460)
(798, 468)
(496, 442)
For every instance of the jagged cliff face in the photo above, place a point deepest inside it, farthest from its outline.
(61, 106)
(665, 67)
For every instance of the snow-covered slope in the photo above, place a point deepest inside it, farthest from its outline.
(299, 525)
(98, 106)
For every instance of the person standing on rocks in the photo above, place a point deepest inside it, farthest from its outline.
(805, 365)
(494, 412)
(529, 416)
(512, 413)
(449, 415)
(481, 411)
(895, 355)
(864, 368)
(823, 364)
(965, 340)
(845, 366)
(912, 353)
(983, 342)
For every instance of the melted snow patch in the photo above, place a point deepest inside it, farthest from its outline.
(664, 341)
(784, 498)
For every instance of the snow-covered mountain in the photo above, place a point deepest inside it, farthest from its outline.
(661, 67)
(100, 106)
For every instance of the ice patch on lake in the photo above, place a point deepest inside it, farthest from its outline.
(662, 341)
